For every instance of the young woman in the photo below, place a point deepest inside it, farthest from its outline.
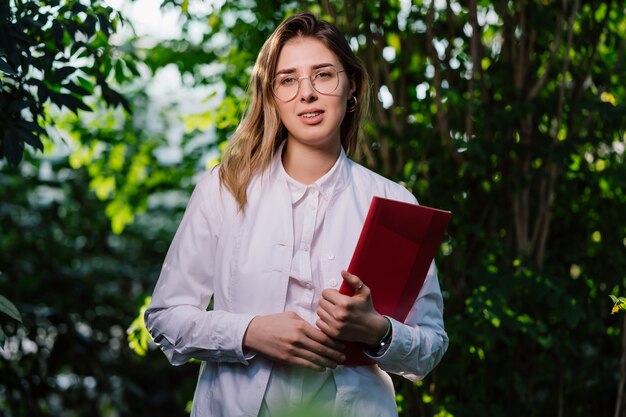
(267, 235)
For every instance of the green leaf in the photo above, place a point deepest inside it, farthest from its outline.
(69, 101)
(12, 148)
(90, 25)
(119, 72)
(84, 83)
(26, 136)
(62, 73)
(30, 126)
(76, 89)
(6, 68)
(139, 339)
(17, 105)
(79, 8)
(57, 32)
(8, 308)
(105, 25)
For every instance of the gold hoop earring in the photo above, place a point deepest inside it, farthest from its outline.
(351, 107)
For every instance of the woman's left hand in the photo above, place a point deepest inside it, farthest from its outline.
(352, 318)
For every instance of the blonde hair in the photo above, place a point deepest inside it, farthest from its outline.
(261, 132)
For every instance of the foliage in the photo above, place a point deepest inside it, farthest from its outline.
(510, 114)
(78, 286)
(8, 308)
(53, 52)
(619, 304)
(139, 340)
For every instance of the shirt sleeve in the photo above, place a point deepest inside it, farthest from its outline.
(418, 344)
(177, 317)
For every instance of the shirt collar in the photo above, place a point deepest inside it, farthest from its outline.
(327, 184)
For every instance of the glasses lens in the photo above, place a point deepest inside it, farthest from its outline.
(324, 81)
(285, 86)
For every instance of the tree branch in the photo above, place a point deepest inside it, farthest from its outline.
(590, 60)
(449, 38)
(379, 112)
(329, 10)
(622, 372)
(566, 63)
(544, 227)
(520, 66)
(475, 43)
(442, 120)
(541, 82)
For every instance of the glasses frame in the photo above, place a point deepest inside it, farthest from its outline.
(312, 84)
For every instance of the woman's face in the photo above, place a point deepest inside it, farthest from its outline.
(312, 118)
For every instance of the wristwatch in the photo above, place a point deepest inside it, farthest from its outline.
(380, 347)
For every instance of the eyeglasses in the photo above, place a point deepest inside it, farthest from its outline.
(324, 80)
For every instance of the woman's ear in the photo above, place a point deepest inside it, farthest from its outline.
(352, 87)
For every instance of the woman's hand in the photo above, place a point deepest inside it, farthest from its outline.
(351, 318)
(286, 337)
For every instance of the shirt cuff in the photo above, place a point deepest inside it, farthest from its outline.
(394, 348)
(248, 354)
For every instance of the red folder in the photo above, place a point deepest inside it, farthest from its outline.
(395, 249)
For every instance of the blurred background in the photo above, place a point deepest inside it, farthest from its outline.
(509, 113)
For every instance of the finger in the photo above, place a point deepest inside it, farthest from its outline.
(325, 344)
(328, 329)
(335, 313)
(305, 363)
(352, 280)
(307, 352)
(320, 355)
(327, 324)
(331, 295)
(317, 361)
(327, 305)
(334, 297)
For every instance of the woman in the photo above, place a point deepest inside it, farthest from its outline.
(267, 233)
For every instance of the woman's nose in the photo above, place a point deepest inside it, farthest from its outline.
(307, 91)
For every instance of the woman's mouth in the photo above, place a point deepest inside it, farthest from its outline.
(311, 116)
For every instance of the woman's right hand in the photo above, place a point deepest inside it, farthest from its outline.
(288, 338)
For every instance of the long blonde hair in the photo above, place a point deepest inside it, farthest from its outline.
(261, 132)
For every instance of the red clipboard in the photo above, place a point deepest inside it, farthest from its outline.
(393, 254)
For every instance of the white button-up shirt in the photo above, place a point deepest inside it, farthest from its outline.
(291, 385)
(244, 260)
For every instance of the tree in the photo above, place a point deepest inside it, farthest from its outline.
(54, 52)
(78, 285)
(510, 114)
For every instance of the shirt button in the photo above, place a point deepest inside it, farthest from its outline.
(331, 256)
(305, 247)
(333, 282)
(312, 207)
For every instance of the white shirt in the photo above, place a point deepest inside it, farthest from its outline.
(245, 260)
(291, 385)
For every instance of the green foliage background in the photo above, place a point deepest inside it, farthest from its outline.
(510, 114)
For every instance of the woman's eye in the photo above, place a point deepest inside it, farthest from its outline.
(286, 81)
(323, 75)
